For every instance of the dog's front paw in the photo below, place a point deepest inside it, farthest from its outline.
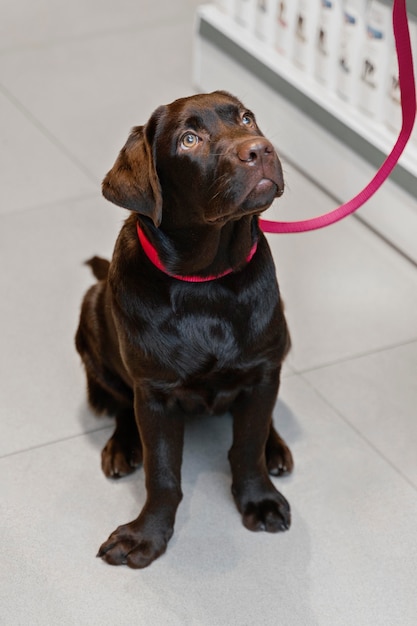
(129, 545)
(271, 514)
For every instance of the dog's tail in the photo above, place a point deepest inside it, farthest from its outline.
(99, 266)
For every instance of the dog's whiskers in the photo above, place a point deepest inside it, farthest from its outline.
(223, 186)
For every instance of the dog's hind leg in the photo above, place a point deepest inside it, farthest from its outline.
(122, 454)
(279, 459)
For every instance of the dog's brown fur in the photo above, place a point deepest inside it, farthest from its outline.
(155, 348)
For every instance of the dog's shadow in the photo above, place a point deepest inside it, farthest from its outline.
(207, 524)
(207, 441)
(205, 462)
(209, 438)
(206, 476)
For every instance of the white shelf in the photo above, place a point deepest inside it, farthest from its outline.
(332, 142)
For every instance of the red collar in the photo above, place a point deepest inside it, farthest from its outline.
(153, 257)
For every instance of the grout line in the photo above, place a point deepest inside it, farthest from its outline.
(48, 134)
(359, 355)
(138, 26)
(355, 215)
(385, 240)
(309, 177)
(367, 441)
(54, 442)
(52, 203)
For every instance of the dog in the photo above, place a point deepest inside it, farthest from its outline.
(187, 317)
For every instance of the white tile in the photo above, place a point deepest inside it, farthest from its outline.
(42, 396)
(30, 24)
(89, 93)
(34, 170)
(346, 292)
(344, 499)
(349, 558)
(377, 394)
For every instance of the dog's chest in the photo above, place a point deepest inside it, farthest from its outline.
(218, 324)
(214, 346)
(214, 360)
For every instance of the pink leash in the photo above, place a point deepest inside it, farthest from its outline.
(408, 107)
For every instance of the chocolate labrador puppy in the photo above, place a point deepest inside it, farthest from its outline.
(187, 317)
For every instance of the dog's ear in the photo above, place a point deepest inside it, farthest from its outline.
(132, 183)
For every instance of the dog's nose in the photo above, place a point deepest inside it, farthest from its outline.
(252, 150)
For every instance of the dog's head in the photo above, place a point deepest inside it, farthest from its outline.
(198, 160)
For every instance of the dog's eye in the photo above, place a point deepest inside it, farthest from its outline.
(247, 119)
(189, 140)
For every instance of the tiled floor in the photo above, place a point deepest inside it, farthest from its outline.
(74, 77)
